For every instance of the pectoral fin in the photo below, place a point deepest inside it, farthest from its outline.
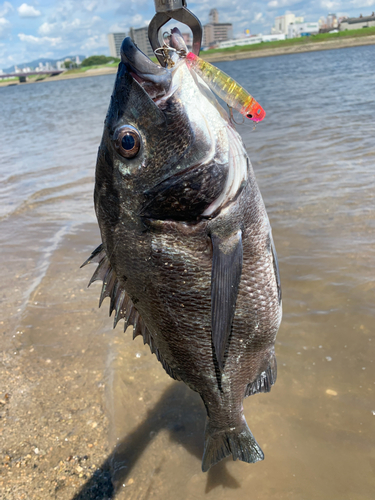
(225, 280)
(275, 266)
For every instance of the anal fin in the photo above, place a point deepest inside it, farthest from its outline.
(225, 280)
(265, 380)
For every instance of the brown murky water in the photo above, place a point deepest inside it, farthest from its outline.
(87, 413)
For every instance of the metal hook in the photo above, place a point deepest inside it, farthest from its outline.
(231, 117)
(174, 9)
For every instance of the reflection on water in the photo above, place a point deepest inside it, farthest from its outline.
(313, 157)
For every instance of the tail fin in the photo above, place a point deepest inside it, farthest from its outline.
(238, 442)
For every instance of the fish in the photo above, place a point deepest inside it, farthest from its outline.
(187, 255)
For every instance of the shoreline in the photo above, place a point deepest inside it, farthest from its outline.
(338, 43)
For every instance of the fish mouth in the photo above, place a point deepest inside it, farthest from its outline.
(154, 79)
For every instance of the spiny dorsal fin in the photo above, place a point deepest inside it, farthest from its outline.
(225, 280)
(96, 256)
(122, 304)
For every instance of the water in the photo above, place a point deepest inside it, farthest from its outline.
(313, 157)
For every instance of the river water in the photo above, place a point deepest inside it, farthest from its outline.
(75, 388)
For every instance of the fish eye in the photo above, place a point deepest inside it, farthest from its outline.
(127, 141)
(249, 115)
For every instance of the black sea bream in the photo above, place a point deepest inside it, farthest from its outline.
(187, 255)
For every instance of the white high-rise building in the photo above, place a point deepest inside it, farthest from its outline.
(302, 29)
(215, 32)
(139, 37)
(115, 41)
(282, 23)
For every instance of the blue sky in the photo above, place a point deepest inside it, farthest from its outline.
(41, 28)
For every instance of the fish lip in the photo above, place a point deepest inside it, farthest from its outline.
(143, 70)
(177, 42)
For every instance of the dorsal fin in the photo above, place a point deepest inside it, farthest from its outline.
(122, 304)
(225, 280)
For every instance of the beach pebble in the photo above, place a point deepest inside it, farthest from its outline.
(331, 392)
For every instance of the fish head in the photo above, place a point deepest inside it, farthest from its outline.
(166, 147)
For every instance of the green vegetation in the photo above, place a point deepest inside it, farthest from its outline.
(70, 65)
(321, 37)
(99, 60)
(86, 68)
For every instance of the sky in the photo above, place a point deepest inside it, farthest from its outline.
(54, 29)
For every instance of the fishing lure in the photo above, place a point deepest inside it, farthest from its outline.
(226, 88)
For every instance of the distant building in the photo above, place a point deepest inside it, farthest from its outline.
(187, 39)
(251, 40)
(115, 41)
(302, 29)
(329, 23)
(215, 32)
(213, 16)
(140, 38)
(354, 23)
(332, 21)
(282, 23)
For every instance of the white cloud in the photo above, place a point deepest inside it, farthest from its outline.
(26, 10)
(118, 28)
(137, 20)
(90, 5)
(276, 4)
(329, 5)
(65, 26)
(5, 9)
(39, 40)
(95, 42)
(4, 27)
(363, 3)
(258, 17)
(46, 28)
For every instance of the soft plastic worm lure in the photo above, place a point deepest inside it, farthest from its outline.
(226, 88)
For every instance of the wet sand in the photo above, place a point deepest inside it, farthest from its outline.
(88, 413)
(53, 424)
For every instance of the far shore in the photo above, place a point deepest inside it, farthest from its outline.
(337, 43)
(227, 55)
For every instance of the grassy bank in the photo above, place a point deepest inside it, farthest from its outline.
(88, 68)
(321, 37)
